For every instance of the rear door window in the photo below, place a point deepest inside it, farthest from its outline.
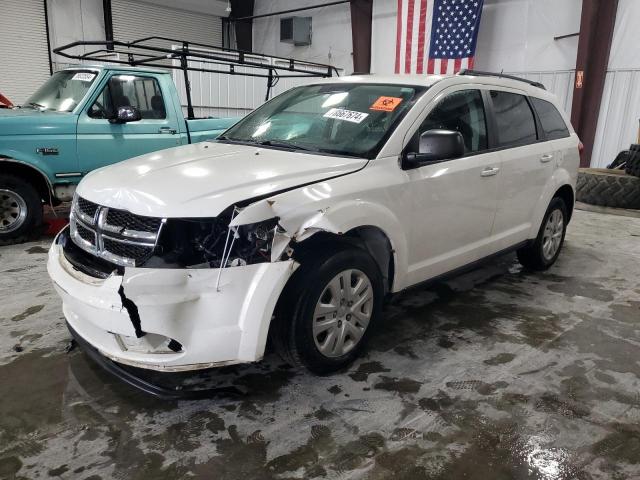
(551, 120)
(515, 122)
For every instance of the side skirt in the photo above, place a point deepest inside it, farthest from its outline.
(465, 268)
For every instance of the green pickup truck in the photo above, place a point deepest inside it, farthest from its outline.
(81, 119)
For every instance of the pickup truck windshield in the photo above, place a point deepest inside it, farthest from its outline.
(344, 119)
(63, 91)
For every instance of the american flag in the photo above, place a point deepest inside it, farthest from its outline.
(451, 42)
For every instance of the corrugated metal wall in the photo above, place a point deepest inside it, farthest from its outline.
(619, 115)
(223, 95)
(558, 82)
(24, 61)
(136, 19)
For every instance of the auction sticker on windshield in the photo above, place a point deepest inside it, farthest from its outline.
(346, 115)
(83, 76)
(386, 104)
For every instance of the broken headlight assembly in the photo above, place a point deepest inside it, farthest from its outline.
(211, 243)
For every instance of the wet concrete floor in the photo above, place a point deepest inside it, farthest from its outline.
(498, 374)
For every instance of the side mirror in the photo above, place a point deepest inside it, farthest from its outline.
(127, 114)
(435, 146)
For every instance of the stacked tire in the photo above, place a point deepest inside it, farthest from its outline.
(632, 165)
(608, 188)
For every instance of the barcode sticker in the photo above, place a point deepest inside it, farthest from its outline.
(346, 115)
(83, 76)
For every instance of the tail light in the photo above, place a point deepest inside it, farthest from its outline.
(581, 151)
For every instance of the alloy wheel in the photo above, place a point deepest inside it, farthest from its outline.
(552, 235)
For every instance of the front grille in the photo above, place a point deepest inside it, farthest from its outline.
(86, 234)
(86, 207)
(114, 235)
(122, 219)
(126, 250)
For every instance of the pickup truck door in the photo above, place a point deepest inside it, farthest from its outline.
(453, 202)
(101, 142)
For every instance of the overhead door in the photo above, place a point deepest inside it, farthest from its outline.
(135, 19)
(24, 60)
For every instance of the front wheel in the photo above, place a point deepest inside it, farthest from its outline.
(544, 251)
(20, 210)
(329, 310)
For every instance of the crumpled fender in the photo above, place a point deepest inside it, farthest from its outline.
(301, 219)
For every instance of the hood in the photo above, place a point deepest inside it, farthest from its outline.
(26, 121)
(202, 180)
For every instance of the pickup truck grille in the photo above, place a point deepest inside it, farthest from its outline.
(114, 235)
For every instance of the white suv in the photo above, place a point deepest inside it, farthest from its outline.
(300, 219)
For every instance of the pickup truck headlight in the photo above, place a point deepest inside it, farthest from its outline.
(200, 243)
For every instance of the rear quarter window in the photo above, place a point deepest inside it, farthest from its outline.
(515, 122)
(550, 118)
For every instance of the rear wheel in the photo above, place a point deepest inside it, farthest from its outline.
(328, 311)
(20, 210)
(544, 251)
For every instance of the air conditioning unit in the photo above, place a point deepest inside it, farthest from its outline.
(296, 30)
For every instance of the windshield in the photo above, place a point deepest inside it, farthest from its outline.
(345, 119)
(63, 91)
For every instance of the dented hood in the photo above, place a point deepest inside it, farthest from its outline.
(203, 179)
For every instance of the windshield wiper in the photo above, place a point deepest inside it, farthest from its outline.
(285, 144)
(37, 105)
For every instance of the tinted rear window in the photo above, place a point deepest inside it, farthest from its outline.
(552, 122)
(514, 118)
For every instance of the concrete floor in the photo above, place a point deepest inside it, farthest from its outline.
(498, 374)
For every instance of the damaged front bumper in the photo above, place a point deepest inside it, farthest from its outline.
(172, 319)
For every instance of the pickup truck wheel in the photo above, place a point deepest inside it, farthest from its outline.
(20, 210)
(329, 312)
(544, 251)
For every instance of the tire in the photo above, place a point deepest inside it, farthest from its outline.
(608, 188)
(632, 167)
(293, 334)
(544, 250)
(20, 210)
(621, 159)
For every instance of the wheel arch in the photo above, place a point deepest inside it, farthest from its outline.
(370, 238)
(567, 194)
(33, 174)
(560, 184)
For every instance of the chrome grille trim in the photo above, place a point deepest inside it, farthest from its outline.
(98, 226)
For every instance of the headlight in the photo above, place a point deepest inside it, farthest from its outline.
(200, 243)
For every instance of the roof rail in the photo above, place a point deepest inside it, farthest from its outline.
(478, 73)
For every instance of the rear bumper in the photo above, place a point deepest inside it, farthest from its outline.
(208, 327)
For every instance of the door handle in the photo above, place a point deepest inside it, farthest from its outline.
(489, 172)
(168, 130)
(546, 158)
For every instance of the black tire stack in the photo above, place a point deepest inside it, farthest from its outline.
(632, 166)
(608, 188)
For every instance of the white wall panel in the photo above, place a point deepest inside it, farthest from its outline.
(619, 115)
(221, 95)
(71, 21)
(24, 61)
(331, 39)
(626, 36)
(518, 35)
(559, 82)
(137, 19)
